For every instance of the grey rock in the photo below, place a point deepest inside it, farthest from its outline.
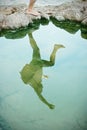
(59, 17)
(84, 21)
(15, 16)
(16, 20)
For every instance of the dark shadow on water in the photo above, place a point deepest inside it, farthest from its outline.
(4, 125)
(22, 32)
(32, 73)
(69, 26)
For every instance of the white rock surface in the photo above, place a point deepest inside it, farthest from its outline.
(14, 16)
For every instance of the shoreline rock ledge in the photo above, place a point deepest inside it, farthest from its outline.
(15, 16)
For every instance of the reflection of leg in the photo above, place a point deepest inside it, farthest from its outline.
(36, 51)
(53, 54)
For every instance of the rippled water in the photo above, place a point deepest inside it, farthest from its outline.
(64, 81)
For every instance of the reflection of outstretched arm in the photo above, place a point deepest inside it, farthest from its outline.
(52, 56)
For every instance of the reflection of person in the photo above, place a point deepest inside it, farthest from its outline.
(30, 8)
(32, 73)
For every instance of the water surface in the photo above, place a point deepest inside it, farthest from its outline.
(62, 82)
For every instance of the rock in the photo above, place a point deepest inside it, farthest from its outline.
(84, 21)
(16, 20)
(14, 16)
(59, 18)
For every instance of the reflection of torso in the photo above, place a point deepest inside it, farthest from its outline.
(32, 72)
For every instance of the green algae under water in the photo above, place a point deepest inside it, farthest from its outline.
(43, 73)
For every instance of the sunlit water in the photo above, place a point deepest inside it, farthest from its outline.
(64, 83)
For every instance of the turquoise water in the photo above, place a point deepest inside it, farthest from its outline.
(64, 81)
